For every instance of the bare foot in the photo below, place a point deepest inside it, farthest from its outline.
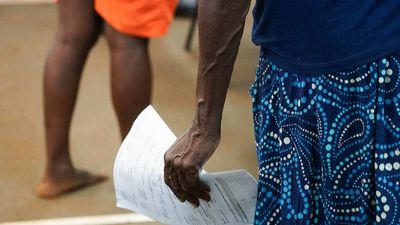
(51, 188)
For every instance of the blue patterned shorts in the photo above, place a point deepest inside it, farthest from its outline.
(328, 146)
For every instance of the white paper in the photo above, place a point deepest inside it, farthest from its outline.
(139, 181)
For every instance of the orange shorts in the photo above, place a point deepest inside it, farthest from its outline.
(142, 18)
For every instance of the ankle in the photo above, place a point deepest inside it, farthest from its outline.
(57, 169)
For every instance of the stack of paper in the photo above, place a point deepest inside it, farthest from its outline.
(140, 187)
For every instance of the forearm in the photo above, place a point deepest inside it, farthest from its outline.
(221, 25)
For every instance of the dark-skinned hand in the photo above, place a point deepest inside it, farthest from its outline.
(183, 162)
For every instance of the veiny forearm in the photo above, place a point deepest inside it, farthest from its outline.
(221, 25)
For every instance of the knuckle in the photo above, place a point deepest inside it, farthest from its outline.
(167, 157)
(178, 164)
(165, 168)
(187, 166)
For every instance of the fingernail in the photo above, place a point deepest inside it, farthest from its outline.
(194, 205)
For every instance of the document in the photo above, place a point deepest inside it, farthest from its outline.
(139, 181)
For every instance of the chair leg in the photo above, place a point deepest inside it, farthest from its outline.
(189, 37)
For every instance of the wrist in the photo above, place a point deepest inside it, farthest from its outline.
(207, 130)
(207, 120)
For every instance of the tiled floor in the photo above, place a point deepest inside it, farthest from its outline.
(25, 34)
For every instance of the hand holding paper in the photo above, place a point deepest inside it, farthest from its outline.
(139, 181)
(184, 160)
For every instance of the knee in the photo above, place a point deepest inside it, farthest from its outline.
(82, 39)
(119, 42)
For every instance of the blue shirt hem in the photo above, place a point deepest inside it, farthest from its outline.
(333, 66)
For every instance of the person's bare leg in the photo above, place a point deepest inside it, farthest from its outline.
(131, 76)
(78, 30)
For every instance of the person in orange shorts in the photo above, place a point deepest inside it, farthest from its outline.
(128, 26)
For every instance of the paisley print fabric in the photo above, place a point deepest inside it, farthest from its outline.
(328, 145)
